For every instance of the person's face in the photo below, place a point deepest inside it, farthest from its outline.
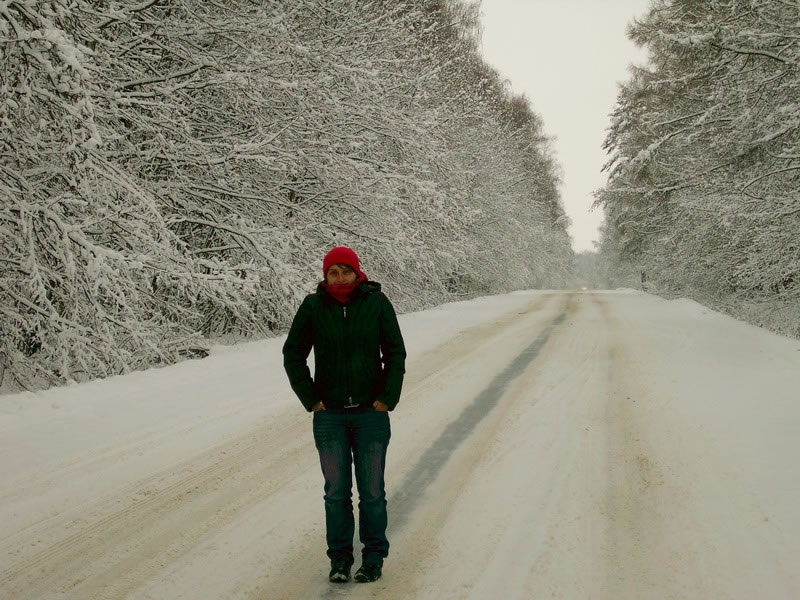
(338, 274)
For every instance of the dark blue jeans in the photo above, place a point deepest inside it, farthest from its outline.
(345, 438)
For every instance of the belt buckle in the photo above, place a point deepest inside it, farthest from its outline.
(350, 403)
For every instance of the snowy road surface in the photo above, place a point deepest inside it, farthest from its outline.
(575, 445)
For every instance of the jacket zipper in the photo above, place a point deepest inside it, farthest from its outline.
(349, 400)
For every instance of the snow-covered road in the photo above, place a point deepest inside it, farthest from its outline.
(575, 445)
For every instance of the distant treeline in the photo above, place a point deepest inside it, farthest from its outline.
(704, 195)
(173, 171)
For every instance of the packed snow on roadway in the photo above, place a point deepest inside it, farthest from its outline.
(548, 444)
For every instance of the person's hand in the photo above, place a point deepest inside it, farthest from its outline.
(380, 406)
(318, 406)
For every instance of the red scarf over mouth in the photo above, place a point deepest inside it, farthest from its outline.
(341, 292)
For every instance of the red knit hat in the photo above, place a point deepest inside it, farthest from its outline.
(342, 255)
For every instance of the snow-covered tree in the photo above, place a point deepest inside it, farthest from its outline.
(172, 172)
(705, 175)
(92, 280)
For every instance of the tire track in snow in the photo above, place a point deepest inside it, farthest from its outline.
(37, 484)
(546, 414)
(418, 525)
(639, 496)
(429, 466)
(114, 551)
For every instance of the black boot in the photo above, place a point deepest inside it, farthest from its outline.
(340, 571)
(368, 572)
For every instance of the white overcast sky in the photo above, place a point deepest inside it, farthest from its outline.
(567, 57)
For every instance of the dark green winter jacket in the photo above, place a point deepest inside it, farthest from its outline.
(359, 355)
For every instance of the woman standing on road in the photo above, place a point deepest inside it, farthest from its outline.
(359, 359)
